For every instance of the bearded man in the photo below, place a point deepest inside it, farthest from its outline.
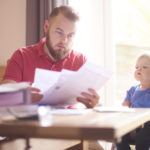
(54, 52)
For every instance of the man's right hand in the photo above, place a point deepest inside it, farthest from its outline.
(36, 95)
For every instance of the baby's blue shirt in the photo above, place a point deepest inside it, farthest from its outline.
(137, 97)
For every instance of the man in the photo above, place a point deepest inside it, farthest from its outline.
(53, 53)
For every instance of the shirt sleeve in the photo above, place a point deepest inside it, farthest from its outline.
(14, 67)
(129, 94)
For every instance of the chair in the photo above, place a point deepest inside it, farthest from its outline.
(2, 71)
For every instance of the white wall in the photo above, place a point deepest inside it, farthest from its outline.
(12, 27)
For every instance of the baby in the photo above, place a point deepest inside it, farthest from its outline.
(138, 97)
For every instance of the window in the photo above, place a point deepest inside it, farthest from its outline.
(113, 34)
(132, 34)
(94, 37)
(89, 35)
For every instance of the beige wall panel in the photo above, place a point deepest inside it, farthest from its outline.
(12, 27)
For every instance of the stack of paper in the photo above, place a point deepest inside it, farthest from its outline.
(64, 87)
(14, 94)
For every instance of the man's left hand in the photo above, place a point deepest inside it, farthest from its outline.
(89, 100)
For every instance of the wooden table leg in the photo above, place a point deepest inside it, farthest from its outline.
(27, 144)
(81, 146)
(85, 145)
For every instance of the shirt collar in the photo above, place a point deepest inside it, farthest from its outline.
(40, 47)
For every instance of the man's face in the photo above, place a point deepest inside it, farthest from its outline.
(59, 36)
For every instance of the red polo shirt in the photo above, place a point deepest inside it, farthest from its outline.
(21, 66)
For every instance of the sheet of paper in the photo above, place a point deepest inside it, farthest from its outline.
(70, 111)
(113, 109)
(45, 79)
(68, 85)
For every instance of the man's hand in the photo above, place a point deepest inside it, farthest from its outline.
(89, 100)
(36, 96)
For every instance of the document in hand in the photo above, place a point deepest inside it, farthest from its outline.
(63, 87)
(14, 94)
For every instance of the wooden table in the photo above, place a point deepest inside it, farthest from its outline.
(89, 126)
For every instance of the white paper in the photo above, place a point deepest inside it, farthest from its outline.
(70, 111)
(45, 79)
(113, 109)
(65, 86)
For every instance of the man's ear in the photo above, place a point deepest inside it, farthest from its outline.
(46, 25)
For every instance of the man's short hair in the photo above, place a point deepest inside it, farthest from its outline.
(66, 11)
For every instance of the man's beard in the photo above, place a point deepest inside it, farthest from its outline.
(56, 54)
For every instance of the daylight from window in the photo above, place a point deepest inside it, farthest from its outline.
(131, 34)
(90, 33)
(88, 39)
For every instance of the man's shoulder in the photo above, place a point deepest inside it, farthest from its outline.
(31, 50)
(28, 49)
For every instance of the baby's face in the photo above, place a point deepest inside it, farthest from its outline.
(142, 70)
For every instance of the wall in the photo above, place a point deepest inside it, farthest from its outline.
(12, 27)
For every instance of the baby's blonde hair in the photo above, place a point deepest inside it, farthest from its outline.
(145, 55)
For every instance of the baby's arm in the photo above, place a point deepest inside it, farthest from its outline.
(126, 103)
